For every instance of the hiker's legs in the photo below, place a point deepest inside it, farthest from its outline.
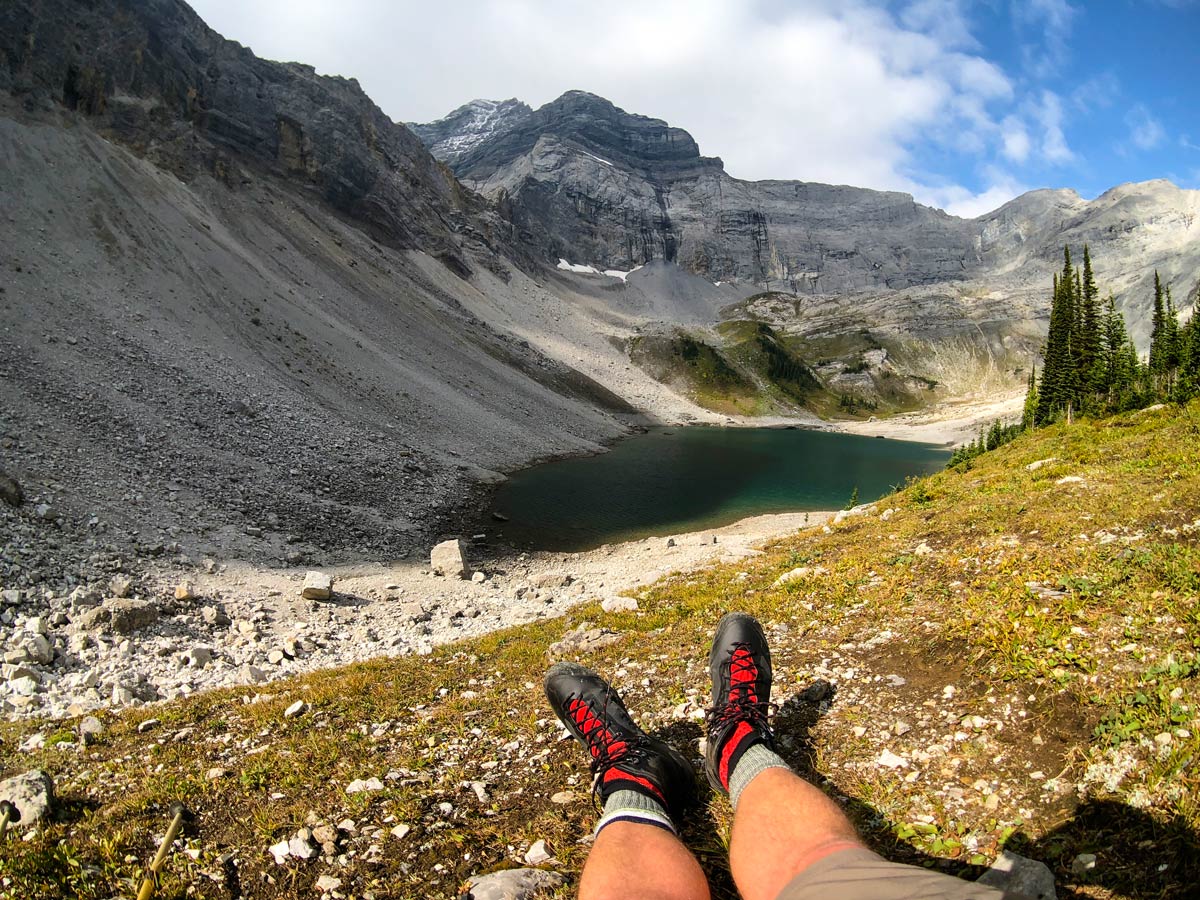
(630, 859)
(782, 824)
(645, 785)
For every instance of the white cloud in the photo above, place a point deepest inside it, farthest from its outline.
(1056, 16)
(1049, 24)
(1098, 92)
(840, 91)
(1145, 131)
(946, 20)
(1001, 187)
(1049, 114)
(1015, 139)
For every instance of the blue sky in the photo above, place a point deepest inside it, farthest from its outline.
(962, 103)
(1102, 93)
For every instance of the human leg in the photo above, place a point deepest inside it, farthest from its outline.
(643, 783)
(630, 859)
(781, 822)
(790, 841)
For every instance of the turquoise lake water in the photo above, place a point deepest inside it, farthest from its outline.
(674, 480)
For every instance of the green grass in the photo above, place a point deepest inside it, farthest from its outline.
(1073, 687)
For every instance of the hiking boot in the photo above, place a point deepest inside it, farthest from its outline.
(740, 667)
(624, 758)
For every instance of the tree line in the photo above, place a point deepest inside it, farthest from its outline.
(1090, 365)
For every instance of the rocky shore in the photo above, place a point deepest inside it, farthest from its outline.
(130, 633)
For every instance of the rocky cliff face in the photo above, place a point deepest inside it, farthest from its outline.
(151, 74)
(590, 183)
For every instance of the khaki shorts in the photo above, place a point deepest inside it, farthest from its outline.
(862, 875)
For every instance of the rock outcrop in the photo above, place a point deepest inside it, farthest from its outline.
(594, 185)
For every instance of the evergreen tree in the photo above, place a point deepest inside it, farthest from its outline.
(1172, 346)
(1120, 359)
(1188, 385)
(1029, 415)
(1157, 360)
(1091, 373)
(1059, 388)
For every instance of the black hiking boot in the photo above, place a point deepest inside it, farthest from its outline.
(624, 758)
(740, 667)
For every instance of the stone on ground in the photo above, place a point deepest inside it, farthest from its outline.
(1016, 874)
(317, 586)
(512, 884)
(449, 558)
(10, 490)
(185, 590)
(298, 708)
(538, 854)
(31, 793)
(120, 615)
(618, 604)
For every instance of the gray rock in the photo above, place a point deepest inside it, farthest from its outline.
(361, 786)
(40, 650)
(298, 708)
(449, 558)
(215, 616)
(90, 728)
(513, 884)
(25, 685)
(10, 490)
(31, 793)
(580, 640)
(619, 604)
(120, 585)
(537, 854)
(1082, 864)
(122, 616)
(302, 847)
(317, 586)
(1017, 874)
(197, 657)
(47, 512)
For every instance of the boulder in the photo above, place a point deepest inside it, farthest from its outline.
(216, 616)
(120, 585)
(580, 640)
(1016, 874)
(449, 558)
(120, 615)
(40, 650)
(185, 590)
(10, 490)
(799, 573)
(618, 604)
(32, 794)
(317, 586)
(513, 884)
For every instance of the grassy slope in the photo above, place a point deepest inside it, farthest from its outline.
(1052, 696)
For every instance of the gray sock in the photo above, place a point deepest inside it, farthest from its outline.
(631, 806)
(755, 760)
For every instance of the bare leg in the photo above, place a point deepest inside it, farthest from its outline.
(630, 859)
(783, 825)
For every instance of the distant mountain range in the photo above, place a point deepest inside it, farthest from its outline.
(593, 184)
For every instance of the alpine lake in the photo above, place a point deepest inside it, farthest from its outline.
(675, 480)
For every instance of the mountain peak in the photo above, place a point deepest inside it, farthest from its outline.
(459, 132)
